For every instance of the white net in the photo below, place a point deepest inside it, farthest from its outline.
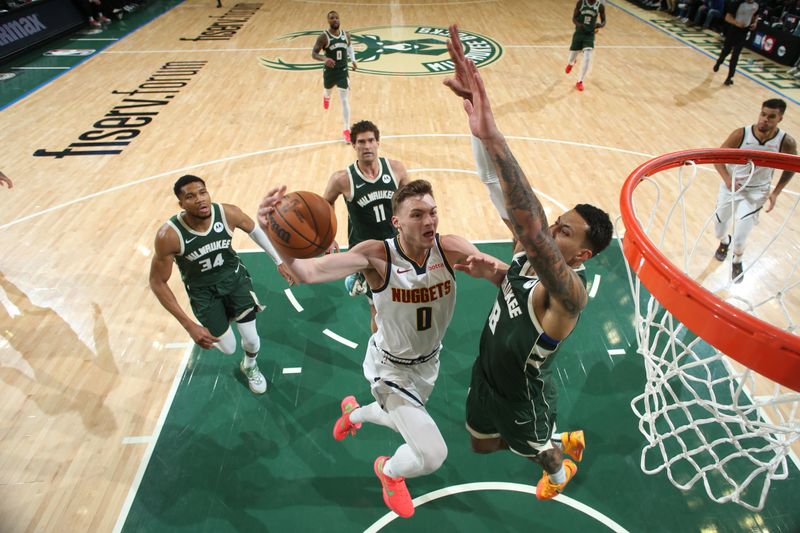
(706, 417)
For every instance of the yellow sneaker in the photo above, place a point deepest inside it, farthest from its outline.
(574, 443)
(546, 489)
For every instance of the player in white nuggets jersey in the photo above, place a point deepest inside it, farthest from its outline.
(414, 290)
(417, 303)
(745, 190)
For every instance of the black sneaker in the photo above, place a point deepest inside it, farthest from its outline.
(722, 251)
(716, 67)
(729, 81)
(736, 272)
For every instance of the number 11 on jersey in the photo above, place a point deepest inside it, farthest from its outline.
(380, 213)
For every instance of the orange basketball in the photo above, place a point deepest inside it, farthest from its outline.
(303, 225)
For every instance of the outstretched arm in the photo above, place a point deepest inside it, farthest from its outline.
(238, 219)
(320, 269)
(485, 167)
(524, 208)
(466, 257)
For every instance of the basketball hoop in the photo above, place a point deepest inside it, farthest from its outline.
(706, 417)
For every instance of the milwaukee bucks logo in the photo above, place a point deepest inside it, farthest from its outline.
(398, 51)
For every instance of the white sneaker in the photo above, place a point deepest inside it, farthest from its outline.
(255, 379)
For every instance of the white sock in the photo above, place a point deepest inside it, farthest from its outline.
(559, 477)
(250, 360)
(573, 56)
(373, 414)
(344, 96)
(424, 450)
(587, 60)
(326, 93)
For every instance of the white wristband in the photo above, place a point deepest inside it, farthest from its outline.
(262, 240)
(488, 176)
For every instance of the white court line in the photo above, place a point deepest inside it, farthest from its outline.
(173, 345)
(40, 68)
(623, 46)
(595, 286)
(148, 453)
(293, 300)
(339, 338)
(97, 39)
(293, 147)
(144, 439)
(279, 49)
(616, 351)
(296, 146)
(496, 485)
(292, 370)
(401, 4)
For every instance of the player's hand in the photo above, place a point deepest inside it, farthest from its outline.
(479, 110)
(268, 204)
(469, 85)
(329, 62)
(333, 248)
(478, 266)
(771, 200)
(458, 83)
(5, 180)
(355, 66)
(202, 336)
(284, 271)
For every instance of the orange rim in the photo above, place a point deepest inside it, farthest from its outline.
(760, 346)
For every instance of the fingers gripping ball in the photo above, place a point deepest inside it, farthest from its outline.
(303, 225)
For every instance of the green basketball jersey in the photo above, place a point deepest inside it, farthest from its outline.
(515, 354)
(205, 258)
(337, 49)
(369, 211)
(588, 15)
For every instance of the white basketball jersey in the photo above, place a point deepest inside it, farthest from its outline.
(762, 176)
(415, 304)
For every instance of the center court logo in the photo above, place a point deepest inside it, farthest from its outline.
(400, 50)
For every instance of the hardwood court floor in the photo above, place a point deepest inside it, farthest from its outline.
(89, 357)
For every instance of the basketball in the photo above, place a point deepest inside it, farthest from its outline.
(303, 225)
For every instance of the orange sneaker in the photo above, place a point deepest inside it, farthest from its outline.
(546, 489)
(343, 426)
(569, 68)
(346, 135)
(579, 85)
(574, 443)
(395, 493)
(326, 103)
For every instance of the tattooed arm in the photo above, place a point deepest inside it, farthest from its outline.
(566, 295)
(529, 222)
